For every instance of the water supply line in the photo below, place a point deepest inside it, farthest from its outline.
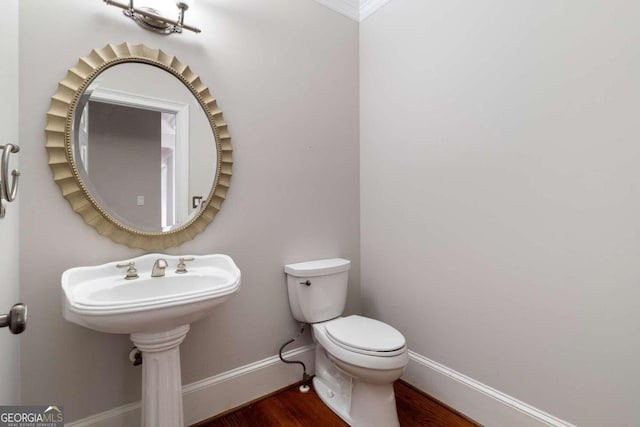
(305, 377)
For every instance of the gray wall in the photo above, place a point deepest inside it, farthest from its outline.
(9, 249)
(500, 194)
(285, 73)
(124, 162)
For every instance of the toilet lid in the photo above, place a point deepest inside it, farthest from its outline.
(362, 333)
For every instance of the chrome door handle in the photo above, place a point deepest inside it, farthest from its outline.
(16, 319)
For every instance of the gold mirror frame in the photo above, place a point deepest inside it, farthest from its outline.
(65, 173)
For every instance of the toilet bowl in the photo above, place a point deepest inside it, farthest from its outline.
(358, 385)
(357, 358)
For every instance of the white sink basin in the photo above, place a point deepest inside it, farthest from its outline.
(156, 311)
(100, 298)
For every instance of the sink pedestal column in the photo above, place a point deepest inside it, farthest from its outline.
(161, 380)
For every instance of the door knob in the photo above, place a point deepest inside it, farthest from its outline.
(16, 320)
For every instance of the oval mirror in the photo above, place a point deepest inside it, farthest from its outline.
(138, 146)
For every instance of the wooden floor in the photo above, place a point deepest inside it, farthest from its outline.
(290, 408)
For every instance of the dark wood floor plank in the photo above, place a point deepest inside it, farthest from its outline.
(309, 410)
(290, 408)
(270, 412)
(265, 413)
(417, 409)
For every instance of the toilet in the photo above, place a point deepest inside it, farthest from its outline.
(357, 359)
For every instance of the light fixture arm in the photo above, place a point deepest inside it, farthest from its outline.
(150, 19)
(181, 7)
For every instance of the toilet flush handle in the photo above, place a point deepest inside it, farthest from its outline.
(308, 283)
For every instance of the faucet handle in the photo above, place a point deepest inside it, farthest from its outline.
(132, 273)
(182, 268)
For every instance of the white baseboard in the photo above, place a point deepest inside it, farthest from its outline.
(211, 396)
(478, 401)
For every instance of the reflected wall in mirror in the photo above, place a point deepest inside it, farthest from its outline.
(138, 146)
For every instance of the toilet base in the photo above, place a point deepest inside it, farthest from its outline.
(338, 403)
(358, 403)
(372, 405)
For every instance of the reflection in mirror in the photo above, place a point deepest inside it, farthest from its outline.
(144, 147)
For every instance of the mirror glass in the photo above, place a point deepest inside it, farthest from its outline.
(144, 147)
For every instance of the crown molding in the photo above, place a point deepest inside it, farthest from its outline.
(369, 7)
(358, 10)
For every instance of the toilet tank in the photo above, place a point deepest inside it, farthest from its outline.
(318, 289)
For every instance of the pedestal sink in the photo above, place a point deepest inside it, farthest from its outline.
(156, 311)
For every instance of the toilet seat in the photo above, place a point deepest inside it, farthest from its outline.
(368, 359)
(366, 336)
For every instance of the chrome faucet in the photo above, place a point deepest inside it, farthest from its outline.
(159, 267)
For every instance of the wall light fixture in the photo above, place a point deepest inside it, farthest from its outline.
(152, 20)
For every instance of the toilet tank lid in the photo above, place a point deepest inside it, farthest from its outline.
(320, 267)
